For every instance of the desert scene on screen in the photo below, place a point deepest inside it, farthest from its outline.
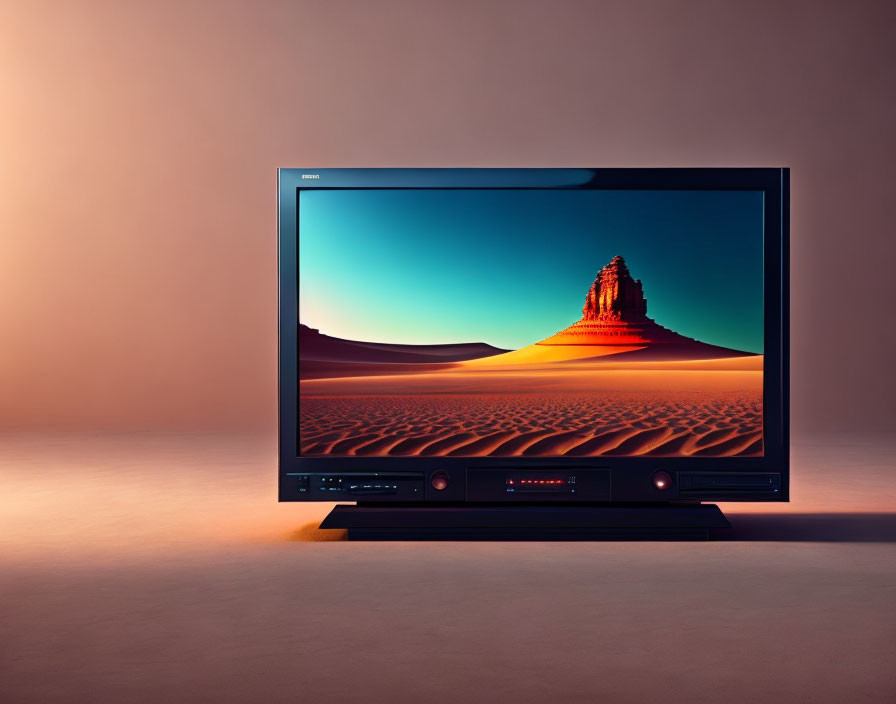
(615, 382)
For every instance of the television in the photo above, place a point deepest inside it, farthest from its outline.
(475, 349)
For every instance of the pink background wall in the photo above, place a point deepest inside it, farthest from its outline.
(139, 142)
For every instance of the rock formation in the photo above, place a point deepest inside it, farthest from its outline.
(615, 295)
(615, 313)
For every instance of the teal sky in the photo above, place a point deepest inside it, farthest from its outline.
(510, 267)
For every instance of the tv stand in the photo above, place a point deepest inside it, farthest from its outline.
(377, 521)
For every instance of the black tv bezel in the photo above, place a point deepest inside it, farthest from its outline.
(773, 182)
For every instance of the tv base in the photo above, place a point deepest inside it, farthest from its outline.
(528, 522)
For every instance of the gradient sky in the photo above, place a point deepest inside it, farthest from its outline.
(512, 267)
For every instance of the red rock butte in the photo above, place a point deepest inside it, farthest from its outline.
(615, 313)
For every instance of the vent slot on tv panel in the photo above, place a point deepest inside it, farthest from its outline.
(729, 485)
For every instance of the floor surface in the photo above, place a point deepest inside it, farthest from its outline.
(146, 568)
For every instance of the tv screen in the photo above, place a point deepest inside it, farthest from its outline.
(534, 323)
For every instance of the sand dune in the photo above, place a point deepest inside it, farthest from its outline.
(323, 356)
(625, 409)
(695, 375)
(474, 427)
(323, 369)
(540, 354)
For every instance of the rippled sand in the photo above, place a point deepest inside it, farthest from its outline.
(655, 412)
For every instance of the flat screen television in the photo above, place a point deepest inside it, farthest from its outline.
(557, 337)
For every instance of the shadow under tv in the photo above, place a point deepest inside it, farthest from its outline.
(451, 367)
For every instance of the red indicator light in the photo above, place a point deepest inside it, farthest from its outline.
(531, 482)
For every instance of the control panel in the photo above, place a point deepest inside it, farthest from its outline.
(457, 483)
(536, 484)
(359, 486)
